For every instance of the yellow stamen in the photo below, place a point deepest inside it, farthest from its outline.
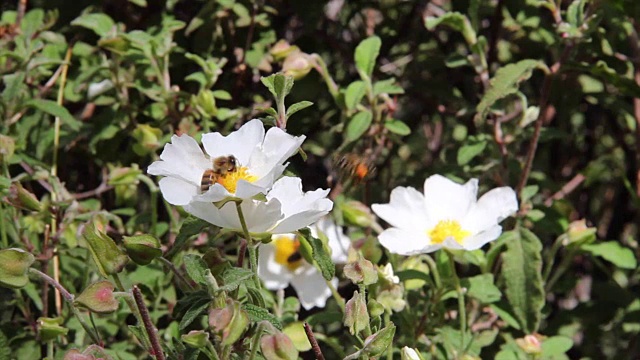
(285, 247)
(445, 229)
(230, 179)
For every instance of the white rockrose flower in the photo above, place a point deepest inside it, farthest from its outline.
(446, 215)
(240, 165)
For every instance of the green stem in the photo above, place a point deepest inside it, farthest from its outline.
(69, 299)
(175, 272)
(434, 271)
(3, 228)
(324, 72)
(550, 258)
(255, 342)
(153, 189)
(336, 295)
(387, 321)
(462, 313)
(213, 354)
(562, 268)
(253, 249)
(128, 299)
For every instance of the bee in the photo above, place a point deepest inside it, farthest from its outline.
(222, 165)
(296, 256)
(356, 167)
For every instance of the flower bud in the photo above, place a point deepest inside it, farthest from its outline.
(375, 308)
(14, 265)
(356, 317)
(393, 298)
(230, 321)
(7, 147)
(361, 271)
(282, 49)
(109, 258)
(530, 344)
(147, 139)
(75, 354)
(49, 328)
(387, 275)
(196, 339)
(579, 233)
(142, 249)
(297, 64)
(357, 213)
(278, 347)
(376, 344)
(408, 353)
(124, 176)
(98, 297)
(21, 198)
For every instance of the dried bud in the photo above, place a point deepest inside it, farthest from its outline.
(147, 139)
(142, 249)
(98, 297)
(109, 258)
(278, 347)
(297, 64)
(14, 265)
(49, 328)
(282, 49)
(230, 321)
(358, 214)
(75, 354)
(361, 271)
(531, 344)
(21, 198)
(356, 316)
(196, 339)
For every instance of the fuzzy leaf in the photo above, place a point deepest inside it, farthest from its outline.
(354, 94)
(366, 55)
(101, 24)
(506, 82)
(52, 108)
(456, 21)
(257, 314)
(109, 258)
(467, 152)
(191, 226)
(196, 268)
(358, 125)
(521, 269)
(482, 288)
(294, 108)
(397, 127)
(613, 252)
(387, 86)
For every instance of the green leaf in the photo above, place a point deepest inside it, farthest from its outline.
(5, 350)
(613, 252)
(358, 125)
(190, 227)
(482, 288)
(195, 310)
(257, 314)
(101, 24)
(109, 258)
(52, 108)
(196, 268)
(278, 84)
(506, 82)
(556, 345)
(521, 269)
(321, 256)
(467, 152)
(366, 54)
(221, 94)
(397, 127)
(387, 86)
(500, 309)
(294, 108)
(234, 277)
(456, 21)
(354, 94)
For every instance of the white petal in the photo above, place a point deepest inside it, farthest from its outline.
(274, 275)
(405, 210)
(279, 146)
(338, 242)
(259, 216)
(240, 143)
(208, 212)
(404, 242)
(491, 208)
(181, 158)
(246, 190)
(304, 218)
(477, 241)
(311, 288)
(177, 191)
(300, 210)
(215, 193)
(448, 200)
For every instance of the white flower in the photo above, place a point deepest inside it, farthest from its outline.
(338, 242)
(447, 215)
(277, 268)
(286, 210)
(260, 159)
(388, 275)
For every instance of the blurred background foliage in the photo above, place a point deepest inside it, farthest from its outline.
(437, 97)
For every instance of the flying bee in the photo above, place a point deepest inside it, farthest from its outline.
(356, 167)
(222, 165)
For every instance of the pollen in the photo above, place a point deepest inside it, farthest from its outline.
(230, 179)
(446, 229)
(285, 248)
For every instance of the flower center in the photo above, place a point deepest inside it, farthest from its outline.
(445, 229)
(287, 253)
(230, 179)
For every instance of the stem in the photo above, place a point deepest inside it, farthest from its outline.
(461, 306)
(387, 320)
(434, 271)
(336, 295)
(69, 298)
(324, 72)
(148, 325)
(549, 259)
(253, 253)
(313, 341)
(255, 342)
(562, 268)
(175, 272)
(212, 351)
(3, 228)
(153, 189)
(127, 299)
